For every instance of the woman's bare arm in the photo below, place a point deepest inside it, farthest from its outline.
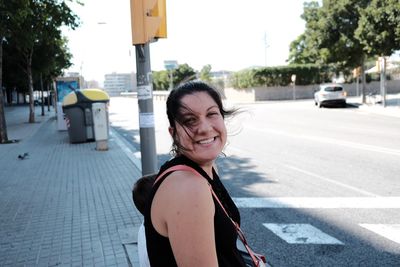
(183, 210)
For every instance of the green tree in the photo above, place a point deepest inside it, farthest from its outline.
(205, 73)
(3, 124)
(14, 76)
(183, 74)
(304, 50)
(36, 22)
(48, 61)
(7, 13)
(329, 38)
(161, 80)
(379, 27)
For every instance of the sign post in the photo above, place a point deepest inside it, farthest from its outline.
(293, 78)
(382, 67)
(148, 21)
(146, 110)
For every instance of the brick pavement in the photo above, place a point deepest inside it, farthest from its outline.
(64, 204)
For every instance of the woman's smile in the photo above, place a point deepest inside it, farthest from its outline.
(206, 141)
(202, 133)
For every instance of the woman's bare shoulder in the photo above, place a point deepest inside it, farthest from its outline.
(185, 182)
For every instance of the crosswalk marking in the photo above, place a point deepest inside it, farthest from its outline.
(319, 202)
(301, 234)
(389, 231)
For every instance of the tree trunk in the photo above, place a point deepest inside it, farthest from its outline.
(30, 87)
(3, 125)
(42, 96)
(48, 96)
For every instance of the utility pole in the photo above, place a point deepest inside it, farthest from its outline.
(146, 109)
(382, 67)
(363, 88)
(3, 124)
(265, 47)
(148, 24)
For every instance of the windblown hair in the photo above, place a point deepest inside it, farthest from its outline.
(175, 107)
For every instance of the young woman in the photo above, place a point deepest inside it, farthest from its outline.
(184, 224)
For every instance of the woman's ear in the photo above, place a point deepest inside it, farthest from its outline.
(171, 131)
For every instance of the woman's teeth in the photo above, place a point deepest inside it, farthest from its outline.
(207, 141)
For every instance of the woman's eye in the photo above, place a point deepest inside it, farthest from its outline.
(211, 114)
(189, 121)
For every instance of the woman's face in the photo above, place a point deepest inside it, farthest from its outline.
(202, 131)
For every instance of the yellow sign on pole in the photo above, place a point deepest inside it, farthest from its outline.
(148, 20)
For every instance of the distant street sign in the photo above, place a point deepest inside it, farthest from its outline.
(170, 64)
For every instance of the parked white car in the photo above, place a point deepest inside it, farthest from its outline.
(330, 94)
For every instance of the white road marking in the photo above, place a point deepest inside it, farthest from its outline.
(395, 152)
(301, 234)
(349, 187)
(319, 202)
(332, 181)
(389, 231)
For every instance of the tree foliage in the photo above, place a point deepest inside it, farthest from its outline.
(161, 80)
(342, 32)
(35, 26)
(329, 37)
(379, 27)
(183, 73)
(34, 46)
(205, 73)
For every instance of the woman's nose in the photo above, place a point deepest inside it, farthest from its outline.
(204, 126)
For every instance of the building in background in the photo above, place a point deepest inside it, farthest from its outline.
(116, 83)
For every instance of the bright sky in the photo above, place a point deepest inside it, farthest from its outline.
(228, 34)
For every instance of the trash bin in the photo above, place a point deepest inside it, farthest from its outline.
(77, 107)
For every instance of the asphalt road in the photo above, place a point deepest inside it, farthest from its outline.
(315, 187)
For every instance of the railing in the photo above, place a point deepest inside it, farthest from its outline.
(157, 95)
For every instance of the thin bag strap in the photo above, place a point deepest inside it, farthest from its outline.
(176, 168)
(238, 230)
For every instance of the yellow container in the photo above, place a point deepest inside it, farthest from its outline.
(86, 95)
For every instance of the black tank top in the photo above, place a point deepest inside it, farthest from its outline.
(158, 247)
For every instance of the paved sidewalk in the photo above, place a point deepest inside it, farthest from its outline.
(64, 204)
(392, 106)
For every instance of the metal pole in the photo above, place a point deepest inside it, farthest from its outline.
(146, 113)
(293, 78)
(357, 86)
(294, 90)
(171, 81)
(382, 63)
(363, 88)
(48, 96)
